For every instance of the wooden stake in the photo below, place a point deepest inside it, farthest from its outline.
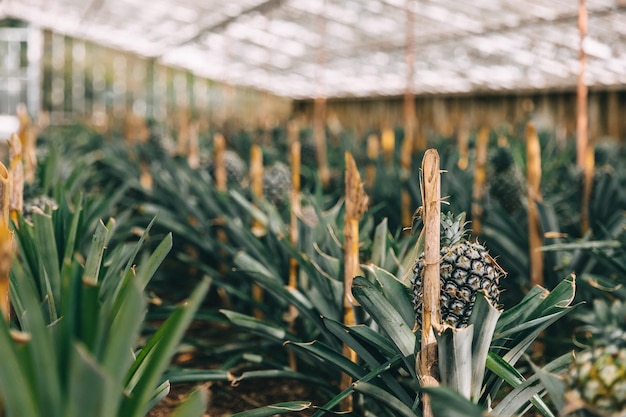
(256, 186)
(28, 138)
(16, 177)
(319, 132)
(463, 145)
(372, 149)
(293, 232)
(193, 158)
(582, 120)
(219, 146)
(431, 312)
(356, 205)
(4, 194)
(480, 177)
(6, 244)
(388, 143)
(533, 179)
(588, 171)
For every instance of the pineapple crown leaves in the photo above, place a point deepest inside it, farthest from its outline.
(453, 229)
(605, 324)
(501, 159)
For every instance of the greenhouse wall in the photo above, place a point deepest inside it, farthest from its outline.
(85, 81)
(445, 115)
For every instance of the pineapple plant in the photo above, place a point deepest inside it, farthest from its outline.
(596, 382)
(277, 183)
(596, 379)
(506, 182)
(236, 168)
(465, 269)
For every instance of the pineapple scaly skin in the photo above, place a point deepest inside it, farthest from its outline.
(277, 183)
(465, 268)
(236, 169)
(506, 182)
(596, 382)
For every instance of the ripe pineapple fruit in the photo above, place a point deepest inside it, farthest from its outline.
(465, 268)
(596, 379)
(277, 183)
(596, 382)
(506, 182)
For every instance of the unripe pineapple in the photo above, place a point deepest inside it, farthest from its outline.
(43, 203)
(596, 382)
(236, 169)
(277, 183)
(506, 182)
(465, 268)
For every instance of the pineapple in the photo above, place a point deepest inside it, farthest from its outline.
(236, 169)
(596, 382)
(596, 379)
(277, 183)
(506, 182)
(465, 269)
(43, 203)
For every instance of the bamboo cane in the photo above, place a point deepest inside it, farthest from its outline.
(588, 171)
(16, 177)
(533, 179)
(431, 313)
(356, 205)
(480, 177)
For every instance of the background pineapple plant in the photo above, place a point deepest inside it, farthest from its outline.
(277, 183)
(506, 182)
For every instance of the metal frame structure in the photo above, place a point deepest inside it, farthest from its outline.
(274, 45)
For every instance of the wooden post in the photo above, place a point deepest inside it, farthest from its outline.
(256, 186)
(6, 245)
(533, 179)
(28, 138)
(406, 153)
(388, 144)
(431, 312)
(372, 149)
(463, 144)
(16, 177)
(219, 147)
(193, 158)
(582, 120)
(480, 177)
(356, 204)
(293, 232)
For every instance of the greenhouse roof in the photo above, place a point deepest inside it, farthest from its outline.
(339, 48)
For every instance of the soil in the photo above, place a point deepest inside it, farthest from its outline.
(226, 400)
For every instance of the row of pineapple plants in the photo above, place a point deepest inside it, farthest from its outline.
(325, 262)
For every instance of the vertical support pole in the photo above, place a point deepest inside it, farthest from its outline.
(256, 186)
(319, 104)
(431, 312)
(480, 177)
(295, 149)
(6, 246)
(356, 205)
(582, 120)
(409, 115)
(16, 177)
(533, 180)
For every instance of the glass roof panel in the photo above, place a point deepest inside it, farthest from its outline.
(301, 48)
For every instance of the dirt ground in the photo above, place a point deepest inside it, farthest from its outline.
(226, 400)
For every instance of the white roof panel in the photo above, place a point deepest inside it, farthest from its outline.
(301, 48)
